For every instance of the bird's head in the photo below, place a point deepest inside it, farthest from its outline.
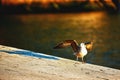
(82, 45)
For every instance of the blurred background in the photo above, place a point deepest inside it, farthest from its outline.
(38, 25)
(42, 6)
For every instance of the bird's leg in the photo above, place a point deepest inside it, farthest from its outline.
(83, 60)
(77, 58)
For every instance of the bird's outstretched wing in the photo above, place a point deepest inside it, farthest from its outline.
(89, 45)
(66, 43)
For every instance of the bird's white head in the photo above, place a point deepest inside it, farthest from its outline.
(82, 45)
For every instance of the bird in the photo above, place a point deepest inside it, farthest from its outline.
(79, 50)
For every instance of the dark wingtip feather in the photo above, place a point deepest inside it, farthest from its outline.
(88, 42)
(56, 47)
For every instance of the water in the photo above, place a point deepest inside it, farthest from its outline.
(41, 32)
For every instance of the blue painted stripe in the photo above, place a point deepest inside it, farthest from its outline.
(31, 53)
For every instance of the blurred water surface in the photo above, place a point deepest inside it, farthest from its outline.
(41, 32)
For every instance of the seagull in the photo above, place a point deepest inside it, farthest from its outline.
(79, 50)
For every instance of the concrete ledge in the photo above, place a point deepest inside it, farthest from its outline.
(18, 64)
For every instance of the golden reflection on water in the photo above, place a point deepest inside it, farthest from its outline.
(79, 26)
(91, 19)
